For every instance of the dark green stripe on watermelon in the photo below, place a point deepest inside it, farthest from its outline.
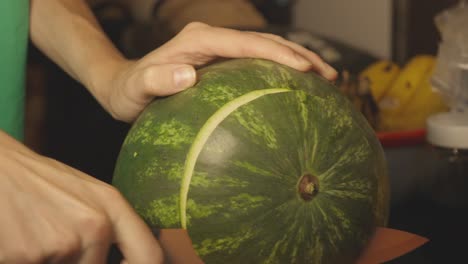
(243, 203)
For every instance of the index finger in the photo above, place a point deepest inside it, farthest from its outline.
(238, 44)
(134, 238)
(207, 42)
(319, 64)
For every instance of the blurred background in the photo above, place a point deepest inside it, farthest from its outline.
(377, 47)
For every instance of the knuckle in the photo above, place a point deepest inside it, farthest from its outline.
(195, 25)
(275, 37)
(287, 54)
(315, 56)
(95, 226)
(148, 78)
(113, 194)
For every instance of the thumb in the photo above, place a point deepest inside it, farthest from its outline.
(167, 79)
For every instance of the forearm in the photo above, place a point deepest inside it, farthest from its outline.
(68, 33)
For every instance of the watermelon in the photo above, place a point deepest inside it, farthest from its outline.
(260, 163)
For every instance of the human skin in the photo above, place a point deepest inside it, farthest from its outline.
(54, 213)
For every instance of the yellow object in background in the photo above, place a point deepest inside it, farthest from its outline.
(411, 76)
(417, 98)
(403, 94)
(379, 76)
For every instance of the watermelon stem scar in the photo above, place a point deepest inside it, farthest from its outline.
(308, 187)
(204, 134)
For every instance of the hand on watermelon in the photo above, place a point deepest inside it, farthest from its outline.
(75, 41)
(55, 214)
(171, 68)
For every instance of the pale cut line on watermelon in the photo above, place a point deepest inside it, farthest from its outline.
(314, 148)
(204, 134)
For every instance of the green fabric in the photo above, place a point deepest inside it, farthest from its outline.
(14, 23)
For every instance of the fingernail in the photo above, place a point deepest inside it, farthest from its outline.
(184, 77)
(330, 71)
